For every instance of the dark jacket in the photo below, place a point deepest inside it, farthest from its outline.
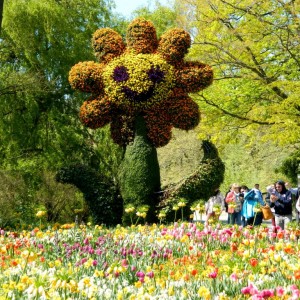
(283, 206)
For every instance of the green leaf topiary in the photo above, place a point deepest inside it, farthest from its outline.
(101, 195)
(139, 176)
(200, 184)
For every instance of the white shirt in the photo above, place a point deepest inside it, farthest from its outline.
(298, 204)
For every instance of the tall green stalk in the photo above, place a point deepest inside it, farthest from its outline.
(139, 175)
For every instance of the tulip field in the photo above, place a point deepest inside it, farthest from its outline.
(177, 261)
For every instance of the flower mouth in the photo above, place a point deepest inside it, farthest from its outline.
(156, 76)
(136, 97)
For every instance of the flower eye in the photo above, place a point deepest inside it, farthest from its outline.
(156, 75)
(120, 74)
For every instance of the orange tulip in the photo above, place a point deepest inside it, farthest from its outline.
(253, 262)
(297, 274)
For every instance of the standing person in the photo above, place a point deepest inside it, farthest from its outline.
(294, 190)
(244, 189)
(213, 202)
(298, 207)
(225, 204)
(295, 196)
(270, 189)
(256, 187)
(234, 205)
(281, 200)
(252, 200)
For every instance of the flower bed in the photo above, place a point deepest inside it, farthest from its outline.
(179, 261)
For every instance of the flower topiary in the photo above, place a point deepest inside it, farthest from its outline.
(148, 77)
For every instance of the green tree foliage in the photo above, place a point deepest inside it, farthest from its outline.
(16, 205)
(163, 17)
(139, 176)
(247, 164)
(62, 202)
(41, 40)
(180, 157)
(254, 48)
(291, 167)
(39, 124)
(20, 205)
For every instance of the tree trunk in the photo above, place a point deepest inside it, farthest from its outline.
(1, 12)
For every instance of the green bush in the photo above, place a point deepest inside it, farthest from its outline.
(17, 205)
(290, 167)
(60, 201)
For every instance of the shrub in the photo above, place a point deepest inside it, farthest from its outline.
(16, 203)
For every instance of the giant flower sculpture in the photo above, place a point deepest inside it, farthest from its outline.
(145, 77)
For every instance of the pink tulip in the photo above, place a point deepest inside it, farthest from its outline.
(213, 274)
(95, 263)
(257, 297)
(280, 291)
(245, 290)
(150, 274)
(124, 263)
(233, 277)
(266, 293)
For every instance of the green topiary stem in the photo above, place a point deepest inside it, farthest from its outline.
(139, 175)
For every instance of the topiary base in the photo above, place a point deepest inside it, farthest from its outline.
(139, 175)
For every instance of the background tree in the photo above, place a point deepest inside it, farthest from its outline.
(163, 17)
(254, 50)
(41, 40)
(291, 167)
(39, 126)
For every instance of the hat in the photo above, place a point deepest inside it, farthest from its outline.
(235, 185)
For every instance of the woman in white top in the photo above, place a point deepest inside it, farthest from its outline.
(298, 205)
(216, 200)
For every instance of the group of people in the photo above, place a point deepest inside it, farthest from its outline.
(244, 206)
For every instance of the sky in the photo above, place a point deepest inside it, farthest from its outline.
(126, 7)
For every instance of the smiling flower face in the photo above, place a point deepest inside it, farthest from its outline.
(136, 82)
(148, 77)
